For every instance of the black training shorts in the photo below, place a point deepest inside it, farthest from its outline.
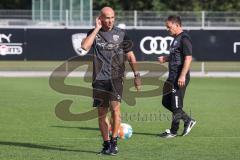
(105, 91)
(173, 95)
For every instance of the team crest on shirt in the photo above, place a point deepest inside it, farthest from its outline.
(98, 38)
(115, 37)
(118, 97)
(174, 91)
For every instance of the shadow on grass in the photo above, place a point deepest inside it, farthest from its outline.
(37, 146)
(146, 134)
(82, 128)
(96, 129)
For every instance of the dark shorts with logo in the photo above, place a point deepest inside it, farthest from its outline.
(105, 91)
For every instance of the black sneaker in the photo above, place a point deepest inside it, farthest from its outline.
(188, 126)
(114, 148)
(106, 148)
(167, 134)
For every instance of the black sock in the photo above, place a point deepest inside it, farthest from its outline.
(114, 140)
(106, 143)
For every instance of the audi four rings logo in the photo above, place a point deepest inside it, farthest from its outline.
(157, 45)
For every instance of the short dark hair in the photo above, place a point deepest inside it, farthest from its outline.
(175, 19)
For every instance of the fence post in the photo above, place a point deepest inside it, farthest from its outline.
(135, 18)
(203, 19)
(91, 13)
(51, 10)
(60, 11)
(66, 18)
(33, 10)
(41, 10)
(70, 11)
(81, 11)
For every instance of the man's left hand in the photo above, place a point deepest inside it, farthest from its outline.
(181, 81)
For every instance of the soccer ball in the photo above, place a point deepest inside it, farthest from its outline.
(125, 131)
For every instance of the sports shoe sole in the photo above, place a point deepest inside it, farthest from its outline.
(107, 154)
(171, 136)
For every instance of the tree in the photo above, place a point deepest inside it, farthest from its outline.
(15, 4)
(170, 5)
(151, 5)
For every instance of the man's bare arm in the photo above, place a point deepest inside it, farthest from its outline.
(185, 69)
(88, 41)
(133, 64)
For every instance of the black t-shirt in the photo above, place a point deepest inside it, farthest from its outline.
(110, 48)
(180, 47)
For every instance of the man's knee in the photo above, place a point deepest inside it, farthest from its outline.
(115, 107)
(116, 112)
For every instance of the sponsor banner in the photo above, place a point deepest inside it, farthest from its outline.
(148, 45)
(49, 44)
(55, 44)
(216, 45)
(208, 45)
(12, 44)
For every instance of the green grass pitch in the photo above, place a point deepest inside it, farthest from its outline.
(30, 130)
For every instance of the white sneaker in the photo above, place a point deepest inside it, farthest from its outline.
(188, 127)
(167, 134)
